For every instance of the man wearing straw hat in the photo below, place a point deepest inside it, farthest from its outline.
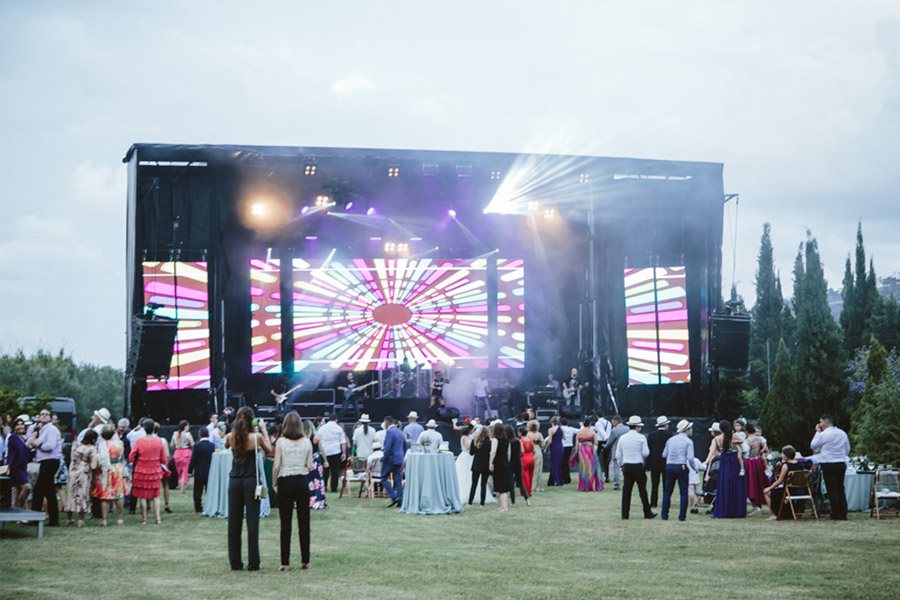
(431, 439)
(631, 452)
(656, 464)
(679, 452)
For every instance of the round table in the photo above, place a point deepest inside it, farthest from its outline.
(858, 489)
(431, 486)
(216, 503)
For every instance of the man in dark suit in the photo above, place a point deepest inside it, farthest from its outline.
(199, 467)
(392, 463)
(656, 464)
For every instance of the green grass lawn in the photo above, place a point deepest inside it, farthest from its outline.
(567, 545)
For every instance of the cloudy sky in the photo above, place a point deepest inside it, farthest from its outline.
(799, 100)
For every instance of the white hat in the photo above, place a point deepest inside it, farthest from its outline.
(496, 422)
(634, 421)
(412, 415)
(431, 424)
(376, 445)
(662, 420)
(25, 418)
(103, 415)
(364, 418)
(683, 425)
(715, 427)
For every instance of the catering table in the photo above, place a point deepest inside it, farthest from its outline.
(858, 489)
(431, 487)
(216, 504)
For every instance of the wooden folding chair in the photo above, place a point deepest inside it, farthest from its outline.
(354, 472)
(797, 481)
(886, 488)
(374, 489)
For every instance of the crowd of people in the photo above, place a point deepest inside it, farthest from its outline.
(113, 467)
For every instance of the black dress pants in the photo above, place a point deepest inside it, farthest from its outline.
(656, 475)
(199, 486)
(634, 474)
(334, 471)
(43, 488)
(833, 474)
(518, 482)
(294, 491)
(483, 477)
(241, 492)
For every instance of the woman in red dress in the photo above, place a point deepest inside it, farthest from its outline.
(148, 456)
(527, 459)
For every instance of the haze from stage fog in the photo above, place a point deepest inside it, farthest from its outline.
(799, 100)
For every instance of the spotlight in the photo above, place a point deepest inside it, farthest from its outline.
(323, 201)
(393, 172)
(348, 206)
(584, 178)
(257, 209)
(371, 211)
(304, 210)
(312, 237)
(495, 175)
(310, 167)
(452, 213)
(549, 213)
(428, 169)
(533, 206)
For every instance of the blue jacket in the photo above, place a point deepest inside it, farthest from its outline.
(394, 447)
(201, 458)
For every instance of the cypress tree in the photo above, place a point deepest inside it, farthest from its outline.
(780, 416)
(876, 372)
(819, 344)
(766, 325)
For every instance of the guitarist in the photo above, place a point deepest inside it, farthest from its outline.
(352, 393)
(572, 389)
(281, 393)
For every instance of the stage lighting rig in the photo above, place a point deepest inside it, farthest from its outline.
(396, 248)
(393, 171)
(495, 175)
(533, 206)
(310, 167)
(584, 178)
(323, 201)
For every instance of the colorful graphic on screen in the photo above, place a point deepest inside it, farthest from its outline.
(373, 313)
(511, 312)
(656, 326)
(181, 288)
(265, 316)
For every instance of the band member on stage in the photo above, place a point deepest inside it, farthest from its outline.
(553, 386)
(572, 389)
(480, 386)
(436, 402)
(352, 394)
(281, 393)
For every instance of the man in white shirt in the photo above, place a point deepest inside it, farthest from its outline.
(333, 442)
(603, 428)
(430, 440)
(480, 386)
(832, 451)
(679, 453)
(631, 452)
(568, 442)
(213, 429)
(363, 437)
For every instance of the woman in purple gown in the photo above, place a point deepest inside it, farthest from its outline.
(731, 491)
(17, 459)
(556, 453)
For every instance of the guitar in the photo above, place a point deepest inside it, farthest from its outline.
(572, 392)
(349, 391)
(280, 398)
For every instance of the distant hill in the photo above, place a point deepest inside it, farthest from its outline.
(887, 286)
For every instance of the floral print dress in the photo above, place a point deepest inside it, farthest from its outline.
(316, 480)
(112, 486)
(81, 469)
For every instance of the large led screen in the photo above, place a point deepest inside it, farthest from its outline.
(372, 313)
(265, 316)
(656, 325)
(511, 312)
(182, 291)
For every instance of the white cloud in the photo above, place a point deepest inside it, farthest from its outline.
(353, 82)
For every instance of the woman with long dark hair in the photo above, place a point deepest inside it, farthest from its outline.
(500, 467)
(293, 463)
(182, 444)
(731, 491)
(480, 449)
(247, 437)
(555, 435)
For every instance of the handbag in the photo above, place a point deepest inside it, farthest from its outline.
(261, 491)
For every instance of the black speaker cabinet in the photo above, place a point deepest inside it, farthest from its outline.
(730, 341)
(152, 343)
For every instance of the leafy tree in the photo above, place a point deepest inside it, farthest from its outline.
(46, 375)
(818, 356)
(877, 432)
(876, 372)
(780, 414)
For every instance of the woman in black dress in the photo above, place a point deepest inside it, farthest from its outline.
(480, 449)
(500, 466)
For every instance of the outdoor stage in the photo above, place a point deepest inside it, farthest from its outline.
(293, 266)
